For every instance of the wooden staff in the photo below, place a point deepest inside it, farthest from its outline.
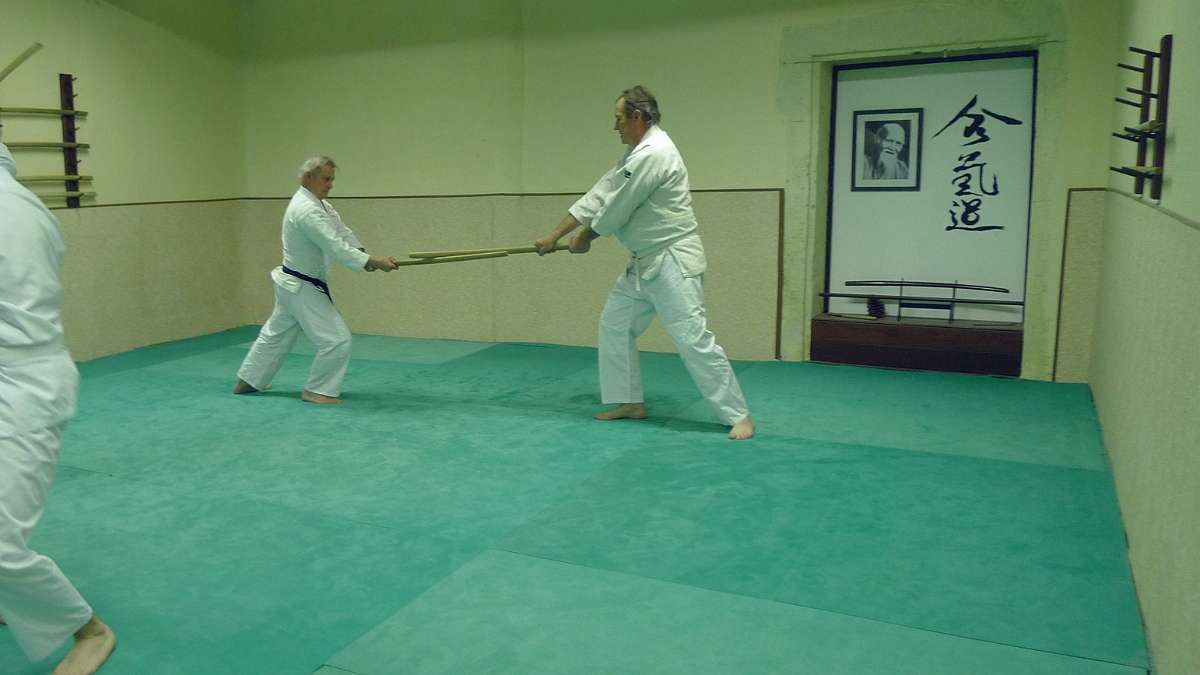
(51, 179)
(454, 258)
(62, 195)
(19, 60)
(57, 112)
(476, 251)
(30, 145)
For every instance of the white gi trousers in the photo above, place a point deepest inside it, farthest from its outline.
(309, 310)
(679, 302)
(41, 606)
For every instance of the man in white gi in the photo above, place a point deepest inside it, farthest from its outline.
(645, 202)
(38, 389)
(313, 235)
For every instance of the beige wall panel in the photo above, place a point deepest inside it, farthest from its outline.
(741, 239)
(451, 300)
(1143, 375)
(1081, 283)
(557, 298)
(259, 251)
(140, 275)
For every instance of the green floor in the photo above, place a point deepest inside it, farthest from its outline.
(463, 514)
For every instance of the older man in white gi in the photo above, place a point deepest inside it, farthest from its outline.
(645, 202)
(313, 235)
(38, 389)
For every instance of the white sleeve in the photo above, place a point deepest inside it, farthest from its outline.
(344, 232)
(586, 207)
(632, 185)
(323, 230)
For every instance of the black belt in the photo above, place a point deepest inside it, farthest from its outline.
(321, 285)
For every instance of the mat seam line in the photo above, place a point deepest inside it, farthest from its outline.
(820, 609)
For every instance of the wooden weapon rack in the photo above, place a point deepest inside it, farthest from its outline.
(69, 145)
(1150, 133)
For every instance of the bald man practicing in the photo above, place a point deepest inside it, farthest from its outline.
(882, 161)
(646, 203)
(313, 236)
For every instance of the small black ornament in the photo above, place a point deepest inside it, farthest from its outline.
(875, 308)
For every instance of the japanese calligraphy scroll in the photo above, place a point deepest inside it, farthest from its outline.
(931, 178)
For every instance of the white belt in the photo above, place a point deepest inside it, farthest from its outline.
(13, 355)
(637, 258)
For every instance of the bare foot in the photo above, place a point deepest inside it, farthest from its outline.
(625, 411)
(93, 643)
(314, 397)
(243, 387)
(742, 430)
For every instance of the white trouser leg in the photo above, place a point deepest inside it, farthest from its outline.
(274, 342)
(323, 325)
(40, 605)
(627, 314)
(680, 304)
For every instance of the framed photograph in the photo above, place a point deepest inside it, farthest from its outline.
(886, 150)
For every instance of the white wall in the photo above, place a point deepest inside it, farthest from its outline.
(165, 124)
(1145, 359)
(165, 113)
(1143, 374)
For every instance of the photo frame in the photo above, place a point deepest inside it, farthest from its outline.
(886, 150)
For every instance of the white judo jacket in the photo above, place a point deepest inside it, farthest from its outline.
(39, 383)
(314, 237)
(645, 201)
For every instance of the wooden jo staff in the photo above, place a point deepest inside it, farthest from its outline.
(454, 258)
(19, 60)
(460, 254)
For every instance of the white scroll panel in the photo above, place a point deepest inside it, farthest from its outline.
(960, 212)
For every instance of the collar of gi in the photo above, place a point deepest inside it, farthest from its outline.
(652, 134)
(320, 202)
(7, 162)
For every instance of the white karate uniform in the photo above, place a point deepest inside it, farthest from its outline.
(39, 385)
(646, 203)
(313, 237)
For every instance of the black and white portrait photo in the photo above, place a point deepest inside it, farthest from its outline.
(887, 150)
